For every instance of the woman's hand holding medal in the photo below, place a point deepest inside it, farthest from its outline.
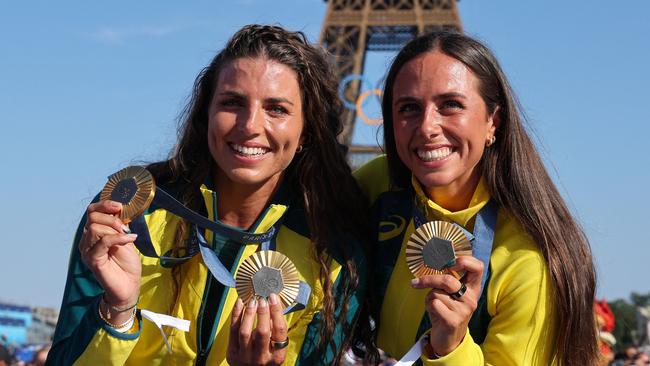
(267, 282)
(109, 253)
(439, 254)
(107, 243)
(449, 307)
(264, 345)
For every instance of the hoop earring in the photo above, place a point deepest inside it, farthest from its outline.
(491, 141)
(299, 149)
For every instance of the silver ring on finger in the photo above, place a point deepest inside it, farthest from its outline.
(458, 294)
(276, 345)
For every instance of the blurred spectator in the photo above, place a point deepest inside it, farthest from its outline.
(40, 356)
(619, 359)
(606, 322)
(631, 356)
(640, 359)
(6, 357)
(630, 351)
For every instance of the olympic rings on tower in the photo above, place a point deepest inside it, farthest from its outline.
(358, 104)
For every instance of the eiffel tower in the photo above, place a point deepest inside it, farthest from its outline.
(353, 27)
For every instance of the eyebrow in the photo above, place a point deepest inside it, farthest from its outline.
(450, 95)
(407, 98)
(272, 100)
(231, 93)
(278, 100)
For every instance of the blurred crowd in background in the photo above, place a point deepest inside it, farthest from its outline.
(26, 355)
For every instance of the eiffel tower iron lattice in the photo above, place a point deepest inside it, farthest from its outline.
(353, 27)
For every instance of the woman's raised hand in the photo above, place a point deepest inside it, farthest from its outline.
(449, 314)
(110, 254)
(265, 345)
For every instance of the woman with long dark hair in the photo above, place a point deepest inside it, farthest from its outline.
(257, 153)
(457, 151)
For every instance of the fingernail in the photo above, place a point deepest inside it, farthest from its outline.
(415, 282)
(273, 299)
(239, 303)
(252, 303)
(115, 204)
(126, 229)
(132, 236)
(263, 303)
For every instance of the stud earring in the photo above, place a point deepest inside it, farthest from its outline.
(491, 141)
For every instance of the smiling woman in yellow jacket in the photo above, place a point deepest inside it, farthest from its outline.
(257, 152)
(456, 150)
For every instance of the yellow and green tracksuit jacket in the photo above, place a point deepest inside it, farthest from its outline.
(514, 323)
(81, 337)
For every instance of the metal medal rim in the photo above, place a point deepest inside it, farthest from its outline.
(273, 259)
(143, 197)
(443, 230)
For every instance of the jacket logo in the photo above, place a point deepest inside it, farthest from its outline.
(391, 228)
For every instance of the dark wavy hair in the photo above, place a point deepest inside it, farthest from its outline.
(517, 181)
(318, 175)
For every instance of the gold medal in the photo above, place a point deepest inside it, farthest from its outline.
(434, 246)
(267, 272)
(134, 187)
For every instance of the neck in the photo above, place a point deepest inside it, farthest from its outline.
(240, 205)
(454, 197)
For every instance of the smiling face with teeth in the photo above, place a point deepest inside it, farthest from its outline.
(255, 122)
(441, 124)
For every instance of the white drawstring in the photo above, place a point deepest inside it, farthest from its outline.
(170, 321)
(414, 353)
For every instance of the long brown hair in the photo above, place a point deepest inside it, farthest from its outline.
(318, 175)
(517, 181)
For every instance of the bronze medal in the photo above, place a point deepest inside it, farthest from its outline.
(433, 248)
(134, 187)
(267, 272)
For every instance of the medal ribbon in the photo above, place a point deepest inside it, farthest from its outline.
(197, 243)
(482, 241)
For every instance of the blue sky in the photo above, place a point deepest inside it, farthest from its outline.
(88, 88)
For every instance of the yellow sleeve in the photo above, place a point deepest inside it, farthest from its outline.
(373, 177)
(81, 337)
(523, 324)
(108, 346)
(106, 349)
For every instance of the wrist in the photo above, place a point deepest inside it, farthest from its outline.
(122, 321)
(117, 305)
(116, 314)
(429, 352)
(438, 351)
